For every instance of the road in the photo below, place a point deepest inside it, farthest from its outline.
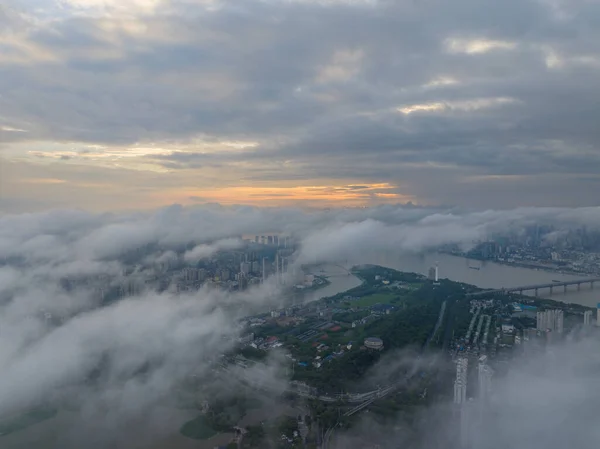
(437, 324)
(380, 393)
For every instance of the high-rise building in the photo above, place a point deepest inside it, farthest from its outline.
(242, 282)
(130, 287)
(552, 320)
(460, 383)
(256, 238)
(431, 274)
(598, 314)
(276, 240)
(284, 265)
(245, 268)
(559, 321)
(190, 274)
(484, 377)
(270, 239)
(540, 318)
(587, 318)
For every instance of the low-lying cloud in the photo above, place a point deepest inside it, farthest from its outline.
(547, 399)
(62, 344)
(203, 251)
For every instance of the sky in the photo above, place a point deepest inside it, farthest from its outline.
(136, 104)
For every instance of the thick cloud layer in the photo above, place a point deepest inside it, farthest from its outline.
(59, 343)
(203, 251)
(139, 102)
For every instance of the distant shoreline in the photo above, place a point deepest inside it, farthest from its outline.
(531, 266)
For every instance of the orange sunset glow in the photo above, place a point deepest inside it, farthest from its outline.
(352, 195)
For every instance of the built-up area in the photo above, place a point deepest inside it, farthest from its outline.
(149, 269)
(500, 329)
(544, 247)
(318, 332)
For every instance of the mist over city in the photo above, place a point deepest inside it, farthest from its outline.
(311, 224)
(117, 325)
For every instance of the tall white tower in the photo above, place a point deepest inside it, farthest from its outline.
(436, 272)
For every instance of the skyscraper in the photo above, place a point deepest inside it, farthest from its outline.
(587, 318)
(484, 377)
(283, 268)
(460, 383)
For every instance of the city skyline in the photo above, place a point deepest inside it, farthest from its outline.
(122, 105)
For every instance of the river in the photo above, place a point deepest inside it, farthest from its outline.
(488, 275)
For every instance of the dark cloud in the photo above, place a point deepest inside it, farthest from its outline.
(319, 85)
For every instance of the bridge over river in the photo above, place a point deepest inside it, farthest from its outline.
(536, 287)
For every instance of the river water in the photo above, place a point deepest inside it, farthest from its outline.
(488, 275)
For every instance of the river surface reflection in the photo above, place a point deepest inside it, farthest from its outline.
(460, 269)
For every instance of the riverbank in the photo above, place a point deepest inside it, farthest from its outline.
(490, 275)
(524, 264)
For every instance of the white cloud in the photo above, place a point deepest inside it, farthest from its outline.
(477, 46)
(171, 334)
(10, 129)
(204, 251)
(441, 81)
(461, 105)
(344, 65)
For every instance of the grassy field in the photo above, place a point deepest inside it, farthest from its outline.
(370, 300)
(198, 429)
(25, 420)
